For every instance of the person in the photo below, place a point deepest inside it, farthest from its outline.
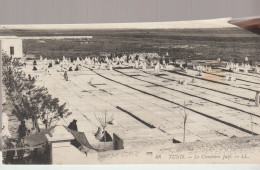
(99, 134)
(149, 62)
(34, 68)
(22, 130)
(144, 65)
(73, 125)
(157, 68)
(167, 61)
(110, 67)
(29, 77)
(70, 69)
(34, 62)
(66, 76)
(77, 68)
(136, 63)
(137, 57)
(257, 98)
(163, 62)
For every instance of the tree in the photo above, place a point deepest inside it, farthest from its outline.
(51, 110)
(103, 122)
(185, 117)
(30, 105)
(29, 100)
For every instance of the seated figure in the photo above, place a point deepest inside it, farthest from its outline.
(77, 68)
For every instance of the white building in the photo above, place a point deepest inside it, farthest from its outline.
(12, 46)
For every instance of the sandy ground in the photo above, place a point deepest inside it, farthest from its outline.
(154, 100)
(218, 111)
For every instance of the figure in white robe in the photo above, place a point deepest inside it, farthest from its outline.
(117, 60)
(157, 68)
(121, 60)
(140, 65)
(136, 63)
(109, 65)
(144, 65)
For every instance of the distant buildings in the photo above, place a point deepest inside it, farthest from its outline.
(12, 46)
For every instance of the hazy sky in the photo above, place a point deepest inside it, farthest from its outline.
(211, 23)
(111, 11)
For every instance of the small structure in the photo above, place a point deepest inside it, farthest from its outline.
(147, 137)
(12, 46)
(62, 152)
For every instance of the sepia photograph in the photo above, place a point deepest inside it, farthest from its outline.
(182, 92)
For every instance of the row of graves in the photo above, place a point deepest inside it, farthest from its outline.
(236, 67)
(140, 60)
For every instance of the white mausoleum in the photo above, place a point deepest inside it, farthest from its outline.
(12, 46)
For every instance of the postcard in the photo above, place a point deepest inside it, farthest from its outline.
(185, 92)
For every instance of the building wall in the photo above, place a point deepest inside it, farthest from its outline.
(16, 43)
